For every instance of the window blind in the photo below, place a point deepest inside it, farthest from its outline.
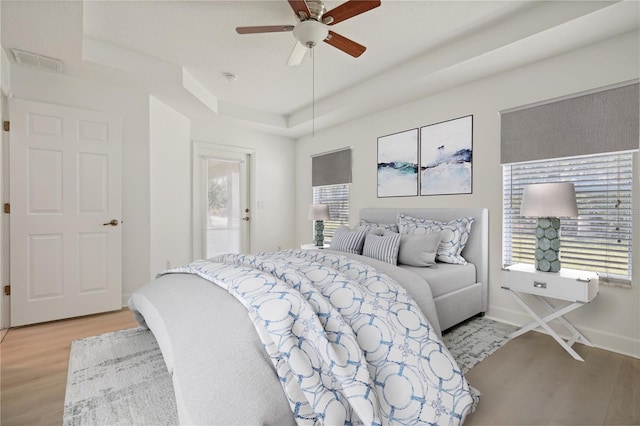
(337, 198)
(331, 168)
(605, 120)
(600, 238)
(330, 178)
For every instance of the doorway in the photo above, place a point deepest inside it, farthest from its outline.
(222, 213)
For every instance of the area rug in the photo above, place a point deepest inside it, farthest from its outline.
(474, 340)
(120, 378)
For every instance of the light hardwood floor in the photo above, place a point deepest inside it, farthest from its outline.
(533, 381)
(34, 361)
(530, 381)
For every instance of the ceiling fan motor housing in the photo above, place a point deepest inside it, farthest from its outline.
(313, 26)
(310, 32)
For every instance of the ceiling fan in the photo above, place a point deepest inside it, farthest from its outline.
(314, 26)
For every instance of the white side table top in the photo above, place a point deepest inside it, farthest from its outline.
(312, 246)
(568, 284)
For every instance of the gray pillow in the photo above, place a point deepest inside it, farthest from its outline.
(419, 250)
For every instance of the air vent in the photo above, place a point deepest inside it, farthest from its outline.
(38, 61)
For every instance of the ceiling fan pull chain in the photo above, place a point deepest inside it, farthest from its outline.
(313, 93)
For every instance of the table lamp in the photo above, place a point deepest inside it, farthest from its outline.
(319, 212)
(548, 202)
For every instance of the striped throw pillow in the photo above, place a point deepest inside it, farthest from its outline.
(347, 240)
(382, 247)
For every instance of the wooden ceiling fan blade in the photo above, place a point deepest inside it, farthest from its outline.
(265, 29)
(346, 45)
(300, 9)
(297, 54)
(348, 10)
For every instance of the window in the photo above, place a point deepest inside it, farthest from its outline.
(600, 237)
(330, 179)
(337, 198)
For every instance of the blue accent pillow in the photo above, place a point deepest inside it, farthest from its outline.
(347, 240)
(382, 247)
(454, 235)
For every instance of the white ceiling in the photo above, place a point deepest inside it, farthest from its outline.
(179, 50)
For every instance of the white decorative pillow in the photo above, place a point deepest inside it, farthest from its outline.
(376, 228)
(382, 247)
(419, 250)
(347, 240)
(454, 235)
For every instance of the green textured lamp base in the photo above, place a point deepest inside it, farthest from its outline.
(319, 233)
(548, 244)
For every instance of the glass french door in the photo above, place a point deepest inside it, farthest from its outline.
(224, 213)
(222, 207)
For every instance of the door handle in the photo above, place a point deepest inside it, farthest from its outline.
(114, 222)
(246, 218)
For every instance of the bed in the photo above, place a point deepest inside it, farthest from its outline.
(455, 300)
(314, 336)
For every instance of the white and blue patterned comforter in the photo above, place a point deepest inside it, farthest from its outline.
(348, 343)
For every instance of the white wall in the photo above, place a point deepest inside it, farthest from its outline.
(272, 177)
(170, 187)
(133, 107)
(5, 74)
(273, 181)
(157, 171)
(613, 319)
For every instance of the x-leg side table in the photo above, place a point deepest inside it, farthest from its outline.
(576, 288)
(556, 313)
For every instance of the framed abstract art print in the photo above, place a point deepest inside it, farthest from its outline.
(446, 154)
(398, 164)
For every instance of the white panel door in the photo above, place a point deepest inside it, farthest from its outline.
(65, 192)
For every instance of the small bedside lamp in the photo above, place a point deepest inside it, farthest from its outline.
(547, 202)
(319, 212)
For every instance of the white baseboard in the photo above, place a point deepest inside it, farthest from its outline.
(604, 340)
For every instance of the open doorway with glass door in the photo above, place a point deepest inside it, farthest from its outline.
(222, 214)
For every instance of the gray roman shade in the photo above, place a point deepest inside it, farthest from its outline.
(332, 168)
(598, 122)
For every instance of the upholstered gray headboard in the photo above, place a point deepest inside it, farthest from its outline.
(477, 249)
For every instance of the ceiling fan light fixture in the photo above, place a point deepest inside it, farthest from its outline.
(314, 26)
(310, 32)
